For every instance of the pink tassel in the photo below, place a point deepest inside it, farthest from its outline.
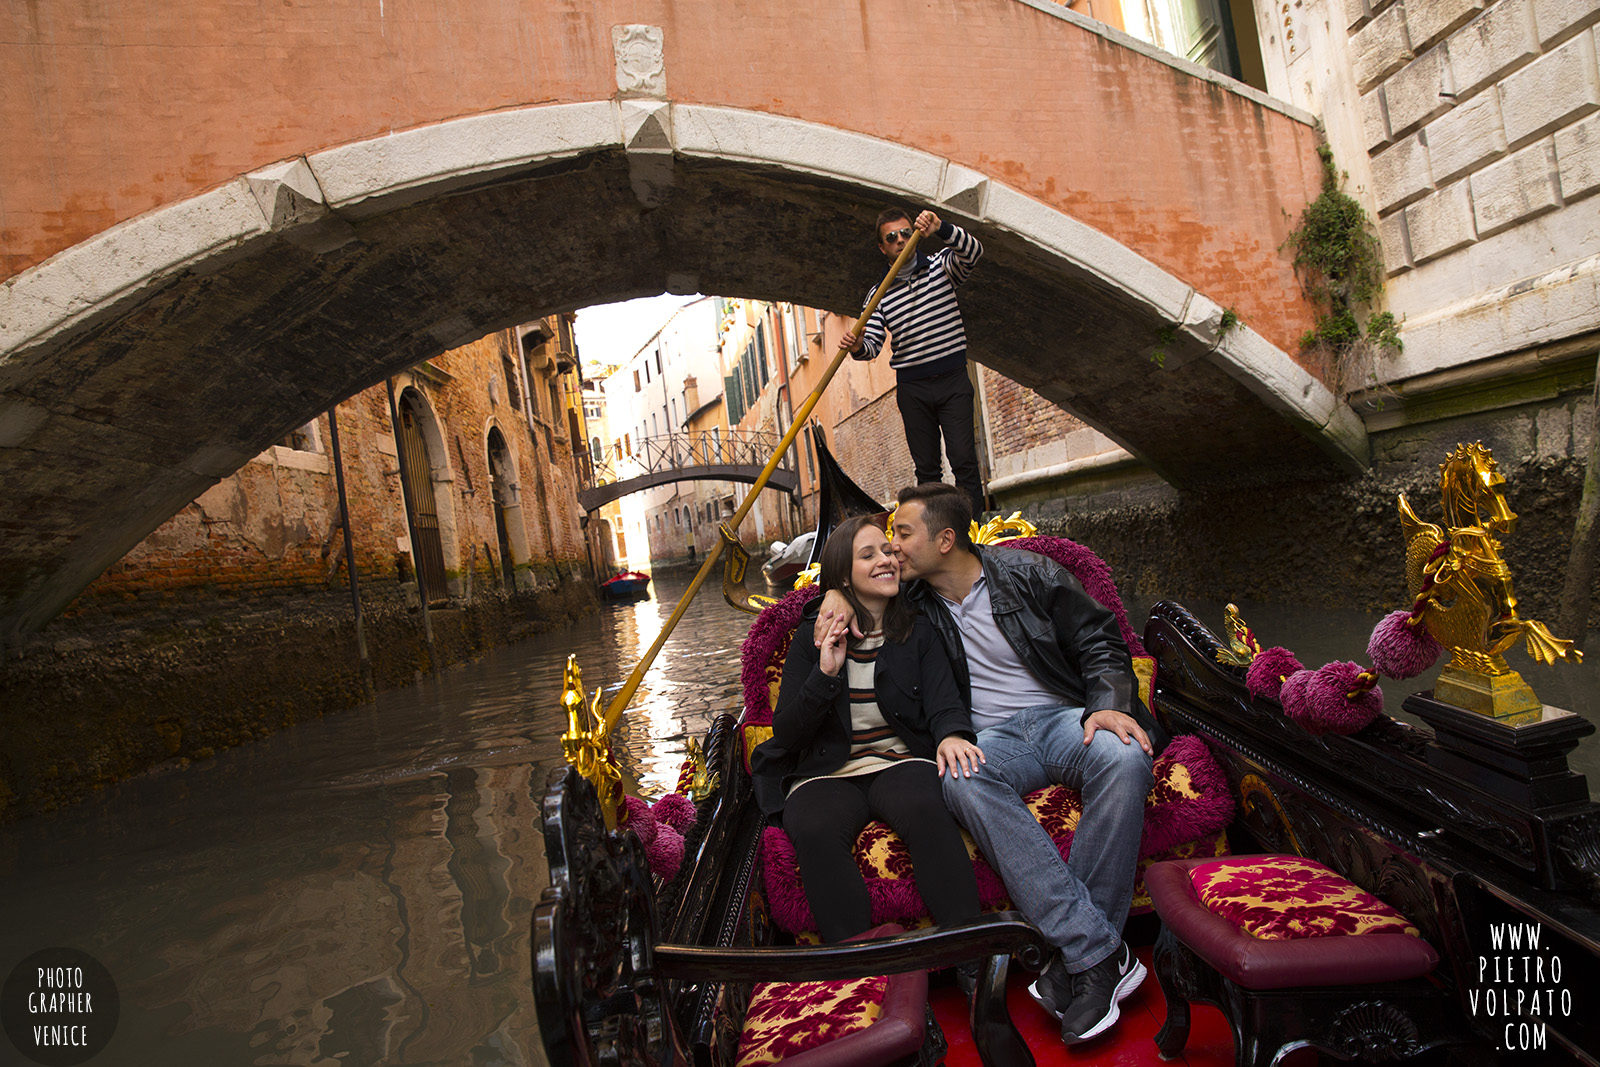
(674, 810)
(1293, 694)
(1401, 646)
(1267, 672)
(665, 852)
(1335, 699)
(640, 820)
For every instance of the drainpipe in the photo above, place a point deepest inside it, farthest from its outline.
(411, 532)
(988, 432)
(368, 686)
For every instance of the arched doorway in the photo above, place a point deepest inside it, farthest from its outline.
(422, 507)
(507, 508)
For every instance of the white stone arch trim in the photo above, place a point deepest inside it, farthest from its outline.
(307, 200)
(443, 475)
(516, 518)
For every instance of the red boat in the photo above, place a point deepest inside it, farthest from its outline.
(626, 584)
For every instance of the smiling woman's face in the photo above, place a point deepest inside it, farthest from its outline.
(874, 569)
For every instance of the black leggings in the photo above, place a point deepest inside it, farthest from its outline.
(823, 818)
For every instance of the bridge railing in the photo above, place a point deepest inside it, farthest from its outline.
(701, 448)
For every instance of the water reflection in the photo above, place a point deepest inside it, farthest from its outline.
(358, 890)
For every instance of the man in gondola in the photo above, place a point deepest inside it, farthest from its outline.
(1054, 699)
(921, 316)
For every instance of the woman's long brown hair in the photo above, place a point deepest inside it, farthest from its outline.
(838, 558)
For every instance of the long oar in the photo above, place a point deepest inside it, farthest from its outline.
(619, 703)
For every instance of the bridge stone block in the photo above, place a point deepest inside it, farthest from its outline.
(1374, 120)
(1578, 158)
(646, 125)
(1417, 93)
(382, 174)
(1466, 138)
(1560, 19)
(1401, 173)
(292, 203)
(964, 190)
(1551, 91)
(1381, 47)
(1441, 223)
(1503, 38)
(1514, 189)
(1429, 20)
(727, 134)
(71, 288)
(1396, 244)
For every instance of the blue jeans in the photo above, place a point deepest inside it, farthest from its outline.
(1079, 904)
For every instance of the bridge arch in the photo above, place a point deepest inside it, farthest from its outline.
(253, 305)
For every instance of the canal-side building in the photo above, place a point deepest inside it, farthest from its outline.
(235, 617)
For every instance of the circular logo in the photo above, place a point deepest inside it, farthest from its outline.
(59, 1007)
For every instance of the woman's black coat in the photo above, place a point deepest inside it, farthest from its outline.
(916, 692)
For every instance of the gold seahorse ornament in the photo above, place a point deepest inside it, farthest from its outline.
(1471, 609)
(587, 743)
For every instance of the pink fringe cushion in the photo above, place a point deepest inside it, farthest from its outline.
(1190, 801)
(765, 647)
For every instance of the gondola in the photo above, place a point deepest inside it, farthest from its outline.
(667, 934)
(626, 584)
(1468, 831)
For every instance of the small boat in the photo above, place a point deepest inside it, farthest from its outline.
(787, 559)
(626, 584)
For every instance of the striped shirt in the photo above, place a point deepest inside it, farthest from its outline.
(920, 311)
(874, 745)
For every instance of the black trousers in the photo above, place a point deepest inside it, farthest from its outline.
(823, 818)
(939, 405)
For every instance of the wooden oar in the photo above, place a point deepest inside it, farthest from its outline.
(729, 529)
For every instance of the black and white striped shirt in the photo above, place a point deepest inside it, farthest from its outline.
(920, 312)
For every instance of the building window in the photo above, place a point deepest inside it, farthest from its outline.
(595, 449)
(761, 352)
(658, 362)
(305, 439)
(509, 366)
(674, 411)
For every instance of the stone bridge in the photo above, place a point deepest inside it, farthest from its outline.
(219, 219)
(740, 456)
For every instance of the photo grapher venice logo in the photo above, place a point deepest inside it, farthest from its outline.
(1519, 988)
(60, 1007)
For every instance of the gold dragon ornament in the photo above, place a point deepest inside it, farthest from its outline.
(587, 743)
(1470, 608)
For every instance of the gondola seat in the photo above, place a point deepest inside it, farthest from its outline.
(1293, 954)
(1186, 812)
(859, 1023)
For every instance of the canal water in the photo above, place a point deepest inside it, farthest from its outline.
(358, 890)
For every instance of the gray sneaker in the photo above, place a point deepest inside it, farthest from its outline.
(1097, 992)
(1053, 988)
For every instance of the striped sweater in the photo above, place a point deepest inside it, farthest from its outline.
(920, 312)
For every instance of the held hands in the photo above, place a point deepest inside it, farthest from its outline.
(834, 619)
(1124, 726)
(960, 756)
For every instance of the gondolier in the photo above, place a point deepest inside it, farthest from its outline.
(920, 313)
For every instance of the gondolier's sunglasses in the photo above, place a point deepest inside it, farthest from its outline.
(904, 235)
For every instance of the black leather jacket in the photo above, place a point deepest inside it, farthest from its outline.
(916, 692)
(1063, 635)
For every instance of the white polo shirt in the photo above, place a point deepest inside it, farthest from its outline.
(1002, 684)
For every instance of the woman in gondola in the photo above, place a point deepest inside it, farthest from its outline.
(864, 729)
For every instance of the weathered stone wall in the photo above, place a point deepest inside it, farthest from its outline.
(1333, 544)
(101, 697)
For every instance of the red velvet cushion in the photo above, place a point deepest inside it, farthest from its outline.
(1331, 960)
(859, 1022)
